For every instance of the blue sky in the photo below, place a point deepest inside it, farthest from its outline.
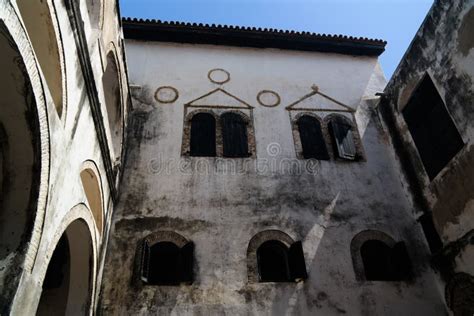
(395, 21)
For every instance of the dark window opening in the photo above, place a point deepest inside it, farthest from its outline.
(58, 268)
(432, 129)
(383, 263)
(431, 234)
(203, 135)
(343, 138)
(312, 139)
(278, 263)
(164, 263)
(234, 133)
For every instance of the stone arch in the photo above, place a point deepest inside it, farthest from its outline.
(256, 242)
(24, 155)
(39, 18)
(357, 243)
(459, 293)
(166, 236)
(92, 185)
(68, 283)
(112, 88)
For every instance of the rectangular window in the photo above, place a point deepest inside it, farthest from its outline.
(431, 128)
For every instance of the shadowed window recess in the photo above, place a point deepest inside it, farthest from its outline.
(431, 234)
(203, 135)
(234, 133)
(278, 263)
(164, 263)
(312, 139)
(431, 127)
(384, 263)
(343, 138)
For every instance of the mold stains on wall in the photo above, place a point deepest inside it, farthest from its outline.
(439, 49)
(445, 197)
(466, 33)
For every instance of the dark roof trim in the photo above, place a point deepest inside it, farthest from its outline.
(179, 32)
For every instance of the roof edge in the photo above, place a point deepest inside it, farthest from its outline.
(194, 33)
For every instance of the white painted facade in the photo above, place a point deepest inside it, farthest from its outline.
(221, 203)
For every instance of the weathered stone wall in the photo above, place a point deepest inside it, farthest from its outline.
(443, 49)
(220, 204)
(67, 140)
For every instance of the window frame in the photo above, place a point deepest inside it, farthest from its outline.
(185, 273)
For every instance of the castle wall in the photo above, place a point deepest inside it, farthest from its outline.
(221, 203)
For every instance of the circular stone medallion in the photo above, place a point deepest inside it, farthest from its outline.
(268, 98)
(166, 94)
(219, 76)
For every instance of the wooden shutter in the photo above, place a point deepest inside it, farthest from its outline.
(344, 139)
(187, 263)
(145, 262)
(234, 133)
(203, 135)
(296, 262)
(312, 139)
(401, 262)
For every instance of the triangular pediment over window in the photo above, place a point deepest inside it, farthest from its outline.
(318, 101)
(219, 98)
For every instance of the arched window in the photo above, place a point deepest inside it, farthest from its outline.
(343, 138)
(234, 133)
(277, 262)
(164, 263)
(384, 263)
(312, 139)
(203, 135)
(272, 259)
